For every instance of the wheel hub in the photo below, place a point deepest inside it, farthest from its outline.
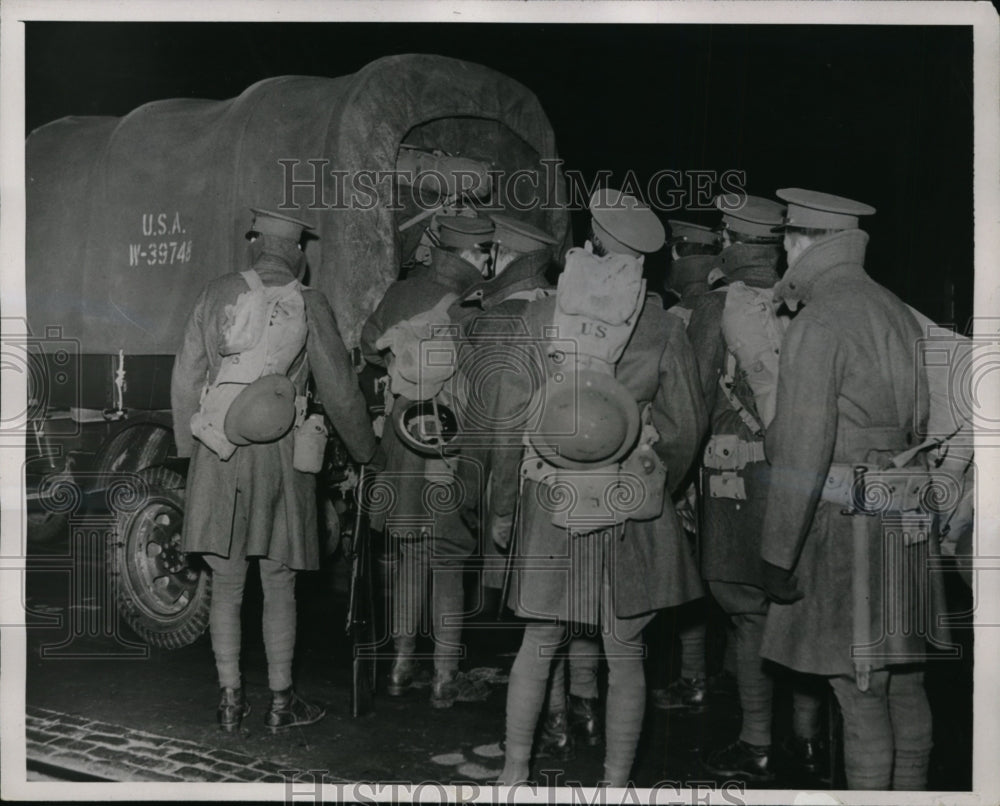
(164, 580)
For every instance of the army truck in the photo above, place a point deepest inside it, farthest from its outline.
(128, 218)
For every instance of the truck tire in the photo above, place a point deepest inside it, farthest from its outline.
(162, 593)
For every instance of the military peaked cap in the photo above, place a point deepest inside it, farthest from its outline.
(464, 232)
(756, 216)
(626, 220)
(686, 232)
(267, 222)
(810, 209)
(519, 236)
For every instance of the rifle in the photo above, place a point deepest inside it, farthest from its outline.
(360, 610)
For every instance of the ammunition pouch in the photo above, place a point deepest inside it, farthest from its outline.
(727, 484)
(729, 452)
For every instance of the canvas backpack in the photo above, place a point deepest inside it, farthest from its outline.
(598, 304)
(753, 332)
(263, 332)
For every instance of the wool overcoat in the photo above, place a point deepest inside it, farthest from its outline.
(256, 501)
(729, 535)
(403, 501)
(557, 574)
(688, 279)
(493, 331)
(849, 390)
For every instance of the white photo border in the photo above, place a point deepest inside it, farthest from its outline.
(979, 15)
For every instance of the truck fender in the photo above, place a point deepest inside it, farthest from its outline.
(136, 447)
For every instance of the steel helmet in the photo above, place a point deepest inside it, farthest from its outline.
(263, 412)
(426, 426)
(589, 419)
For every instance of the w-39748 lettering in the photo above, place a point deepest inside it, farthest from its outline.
(159, 253)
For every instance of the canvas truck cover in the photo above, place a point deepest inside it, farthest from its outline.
(128, 218)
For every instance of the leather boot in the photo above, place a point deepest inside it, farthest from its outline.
(687, 693)
(584, 721)
(554, 739)
(449, 687)
(741, 760)
(233, 706)
(806, 756)
(289, 710)
(404, 666)
(444, 691)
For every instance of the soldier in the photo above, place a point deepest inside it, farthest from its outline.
(694, 270)
(619, 573)
(735, 475)
(492, 313)
(244, 496)
(461, 259)
(579, 714)
(523, 255)
(849, 394)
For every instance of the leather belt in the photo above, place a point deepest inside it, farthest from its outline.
(872, 491)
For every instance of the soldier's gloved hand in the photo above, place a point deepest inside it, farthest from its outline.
(378, 461)
(500, 529)
(780, 584)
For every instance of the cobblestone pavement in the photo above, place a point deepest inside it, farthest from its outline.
(93, 748)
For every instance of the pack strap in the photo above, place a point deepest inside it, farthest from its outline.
(726, 382)
(256, 284)
(530, 294)
(252, 279)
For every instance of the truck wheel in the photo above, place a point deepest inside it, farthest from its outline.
(162, 593)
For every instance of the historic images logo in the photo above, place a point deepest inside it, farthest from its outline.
(315, 185)
(320, 786)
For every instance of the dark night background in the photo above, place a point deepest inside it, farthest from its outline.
(880, 114)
